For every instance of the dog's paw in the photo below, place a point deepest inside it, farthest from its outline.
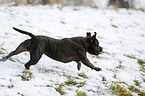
(79, 66)
(97, 69)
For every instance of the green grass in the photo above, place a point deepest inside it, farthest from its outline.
(11, 59)
(70, 82)
(141, 62)
(26, 76)
(142, 66)
(82, 75)
(119, 90)
(120, 66)
(104, 52)
(20, 94)
(136, 90)
(45, 70)
(131, 57)
(59, 89)
(62, 22)
(80, 93)
(2, 85)
(137, 83)
(10, 86)
(114, 26)
(1, 52)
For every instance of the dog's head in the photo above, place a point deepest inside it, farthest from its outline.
(93, 47)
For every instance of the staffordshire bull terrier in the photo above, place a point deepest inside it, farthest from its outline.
(64, 50)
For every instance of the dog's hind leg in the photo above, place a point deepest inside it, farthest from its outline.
(35, 55)
(21, 48)
(8, 56)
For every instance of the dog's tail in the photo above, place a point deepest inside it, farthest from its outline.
(24, 32)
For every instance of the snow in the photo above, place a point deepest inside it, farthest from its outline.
(127, 39)
(139, 4)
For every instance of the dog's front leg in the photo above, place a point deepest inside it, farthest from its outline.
(85, 61)
(78, 65)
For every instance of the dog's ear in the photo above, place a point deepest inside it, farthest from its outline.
(88, 34)
(94, 36)
(92, 39)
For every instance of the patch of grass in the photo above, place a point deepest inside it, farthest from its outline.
(93, 56)
(143, 80)
(56, 67)
(26, 75)
(45, 70)
(104, 52)
(2, 85)
(81, 84)
(83, 75)
(42, 85)
(1, 52)
(10, 86)
(62, 22)
(75, 9)
(119, 90)
(141, 62)
(120, 62)
(136, 90)
(67, 76)
(114, 26)
(59, 89)
(98, 57)
(77, 84)
(141, 9)
(11, 59)
(20, 25)
(120, 66)
(80, 93)
(20, 94)
(70, 82)
(3, 49)
(69, 89)
(131, 57)
(137, 83)
(114, 76)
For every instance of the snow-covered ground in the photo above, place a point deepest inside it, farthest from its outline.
(121, 34)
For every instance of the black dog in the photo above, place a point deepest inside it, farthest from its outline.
(64, 50)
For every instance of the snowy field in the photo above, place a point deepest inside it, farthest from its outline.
(121, 34)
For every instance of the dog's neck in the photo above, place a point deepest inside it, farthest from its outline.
(85, 45)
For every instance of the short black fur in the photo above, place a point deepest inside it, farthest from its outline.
(64, 50)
